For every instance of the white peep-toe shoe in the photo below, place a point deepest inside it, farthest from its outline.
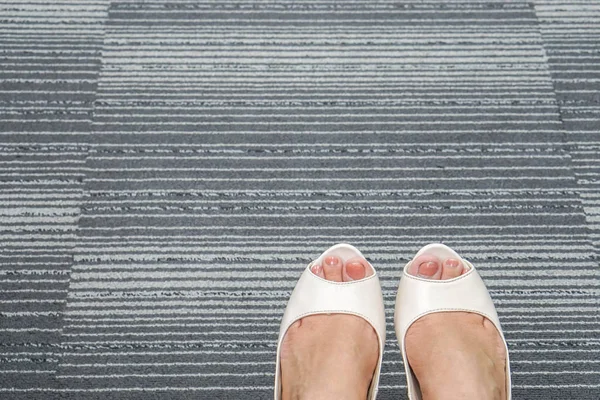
(315, 295)
(418, 297)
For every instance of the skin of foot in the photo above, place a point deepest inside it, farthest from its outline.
(454, 355)
(330, 356)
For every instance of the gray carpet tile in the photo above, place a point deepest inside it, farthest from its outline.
(572, 40)
(233, 142)
(49, 62)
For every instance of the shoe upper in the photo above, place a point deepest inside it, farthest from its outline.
(315, 295)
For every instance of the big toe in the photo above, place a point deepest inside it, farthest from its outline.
(426, 266)
(451, 268)
(355, 269)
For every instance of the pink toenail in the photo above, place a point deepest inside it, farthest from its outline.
(316, 269)
(355, 270)
(331, 260)
(428, 269)
(356, 265)
(452, 263)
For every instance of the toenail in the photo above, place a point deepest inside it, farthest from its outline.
(452, 263)
(331, 260)
(355, 271)
(428, 269)
(316, 269)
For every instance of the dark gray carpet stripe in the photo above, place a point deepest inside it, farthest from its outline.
(49, 63)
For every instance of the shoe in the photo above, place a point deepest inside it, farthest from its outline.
(315, 295)
(418, 297)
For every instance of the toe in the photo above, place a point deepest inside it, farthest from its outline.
(332, 267)
(355, 269)
(451, 268)
(318, 271)
(426, 266)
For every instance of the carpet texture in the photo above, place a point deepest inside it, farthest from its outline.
(168, 168)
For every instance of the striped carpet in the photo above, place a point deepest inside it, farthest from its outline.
(167, 169)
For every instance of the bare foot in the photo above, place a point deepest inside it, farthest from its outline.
(454, 355)
(330, 356)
